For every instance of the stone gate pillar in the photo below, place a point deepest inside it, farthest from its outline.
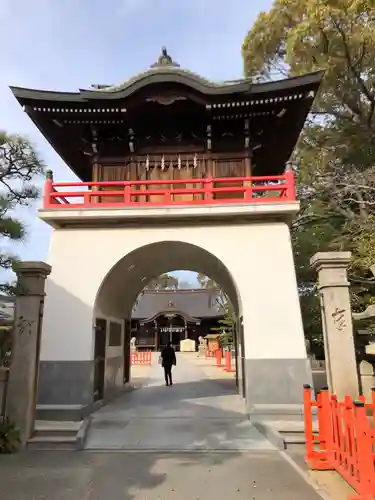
(333, 286)
(23, 376)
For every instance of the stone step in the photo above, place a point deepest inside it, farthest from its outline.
(293, 438)
(290, 426)
(53, 443)
(285, 433)
(60, 412)
(56, 428)
(59, 435)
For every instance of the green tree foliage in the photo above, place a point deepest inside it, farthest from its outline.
(226, 325)
(336, 151)
(19, 166)
(5, 345)
(9, 436)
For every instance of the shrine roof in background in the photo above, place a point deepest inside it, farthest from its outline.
(192, 303)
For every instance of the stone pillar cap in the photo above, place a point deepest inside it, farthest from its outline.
(330, 259)
(32, 267)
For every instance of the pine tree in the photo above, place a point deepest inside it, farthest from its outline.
(19, 167)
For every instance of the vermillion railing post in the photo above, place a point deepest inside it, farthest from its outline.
(219, 356)
(326, 431)
(290, 183)
(364, 444)
(208, 195)
(127, 198)
(324, 417)
(336, 416)
(167, 196)
(373, 402)
(228, 362)
(87, 199)
(249, 190)
(48, 190)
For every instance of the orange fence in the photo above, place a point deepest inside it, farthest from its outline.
(218, 354)
(344, 441)
(142, 358)
(228, 362)
(219, 357)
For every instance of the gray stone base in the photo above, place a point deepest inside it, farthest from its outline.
(66, 383)
(66, 389)
(274, 387)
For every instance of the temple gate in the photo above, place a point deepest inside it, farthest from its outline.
(175, 172)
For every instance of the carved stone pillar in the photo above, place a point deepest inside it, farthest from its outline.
(23, 376)
(333, 285)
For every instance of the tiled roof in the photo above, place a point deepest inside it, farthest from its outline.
(194, 303)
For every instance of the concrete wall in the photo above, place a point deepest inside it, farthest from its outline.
(106, 269)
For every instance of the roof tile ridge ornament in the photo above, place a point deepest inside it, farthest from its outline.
(165, 60)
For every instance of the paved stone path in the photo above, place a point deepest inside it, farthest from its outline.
(196, 413)
(200, 412)
(84, 475)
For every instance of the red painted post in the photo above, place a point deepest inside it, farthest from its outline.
(249, 190)
(127, 197)
(219, 356)
(362, 454)
(290, 185)
(325, 425)
(228, 362)
(208, 195)
(48, 189)
(87, 199)
(167, 196)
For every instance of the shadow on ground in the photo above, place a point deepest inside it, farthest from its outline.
(202, 425)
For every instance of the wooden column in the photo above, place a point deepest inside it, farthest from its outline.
(249, 154)
(209, 166)
(95, 169)
(156, 334)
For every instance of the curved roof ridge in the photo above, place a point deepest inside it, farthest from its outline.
(162, 70)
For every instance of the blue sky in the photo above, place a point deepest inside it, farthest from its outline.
(70, 44)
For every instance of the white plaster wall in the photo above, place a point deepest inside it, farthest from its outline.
(258, 257)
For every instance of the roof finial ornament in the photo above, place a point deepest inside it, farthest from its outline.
(165, 60)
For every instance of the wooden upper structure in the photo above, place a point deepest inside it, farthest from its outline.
(170, 123)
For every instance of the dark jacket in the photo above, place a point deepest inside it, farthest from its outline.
(168, 356)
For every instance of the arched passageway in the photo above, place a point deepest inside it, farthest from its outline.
(128, 277)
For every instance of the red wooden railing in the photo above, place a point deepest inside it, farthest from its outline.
(345, 439)
(59, 195)
(141, 358)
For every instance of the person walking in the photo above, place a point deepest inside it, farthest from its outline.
(168, 359)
